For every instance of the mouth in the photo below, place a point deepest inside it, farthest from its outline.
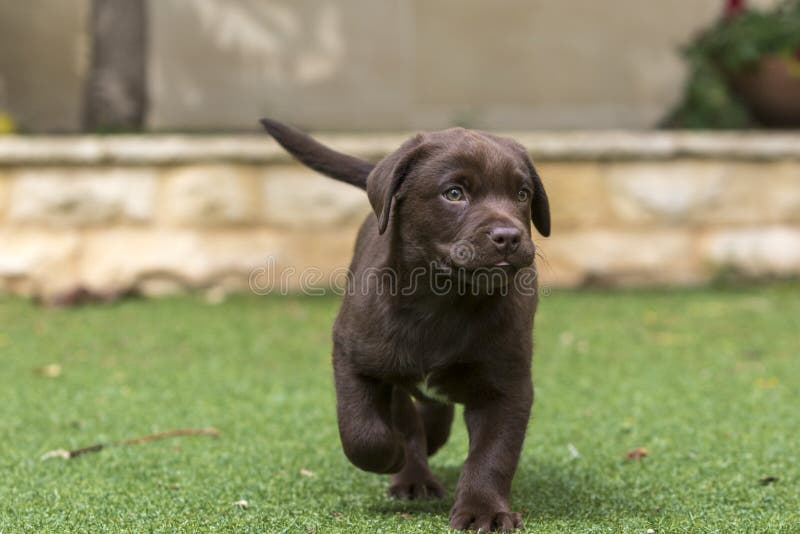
(465, 256)
(502, 265)
(506, 268)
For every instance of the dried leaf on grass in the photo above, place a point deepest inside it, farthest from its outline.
(306, 473)
(50, 371)
(636, 454)
(67, 454)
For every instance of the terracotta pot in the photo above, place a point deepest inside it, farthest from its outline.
(771, 90)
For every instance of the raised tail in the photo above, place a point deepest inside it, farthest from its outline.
(317, 156)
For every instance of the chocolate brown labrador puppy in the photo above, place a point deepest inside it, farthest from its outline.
(439, 310)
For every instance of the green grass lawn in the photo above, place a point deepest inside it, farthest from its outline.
(707, 381)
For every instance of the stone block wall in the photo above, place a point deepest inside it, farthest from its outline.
(104, 216)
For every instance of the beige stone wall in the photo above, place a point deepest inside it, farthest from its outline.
(106, 216)
(677, 221)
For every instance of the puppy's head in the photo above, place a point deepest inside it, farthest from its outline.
(456, 199)
(461, 198)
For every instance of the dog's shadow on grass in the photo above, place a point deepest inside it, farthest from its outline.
(563, 491)
(541, 491)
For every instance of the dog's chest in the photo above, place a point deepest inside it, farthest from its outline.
(431, 391)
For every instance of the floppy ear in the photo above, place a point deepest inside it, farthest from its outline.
(540, 207)
(385, 179)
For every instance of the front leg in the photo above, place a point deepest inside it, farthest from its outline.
(496, 429)
(364, 413)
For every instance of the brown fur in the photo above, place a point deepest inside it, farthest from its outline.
(471, 342)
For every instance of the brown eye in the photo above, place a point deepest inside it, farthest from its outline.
(523, 195)
(454, 194)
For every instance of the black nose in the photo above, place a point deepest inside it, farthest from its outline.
(505, 238)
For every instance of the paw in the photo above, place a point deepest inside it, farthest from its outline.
(422, 487)
(464, 518)
(380, 454)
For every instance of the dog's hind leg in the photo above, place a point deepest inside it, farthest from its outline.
(415, 480)
(364, 412)
(437, 419)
